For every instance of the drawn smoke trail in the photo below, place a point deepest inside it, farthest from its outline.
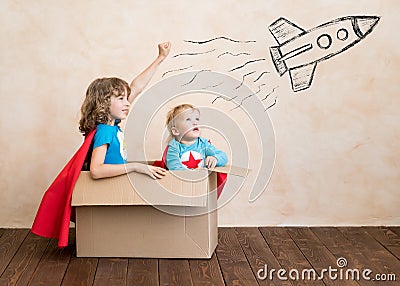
(234, 57)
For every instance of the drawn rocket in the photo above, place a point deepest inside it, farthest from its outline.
(300, 51)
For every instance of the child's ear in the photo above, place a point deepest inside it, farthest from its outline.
(174, 131)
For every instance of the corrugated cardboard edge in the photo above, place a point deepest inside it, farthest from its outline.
(212, 219)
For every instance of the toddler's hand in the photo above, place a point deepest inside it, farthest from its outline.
(153, 172)
(211, 162)
(163, 49)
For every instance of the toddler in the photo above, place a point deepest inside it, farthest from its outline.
(187, 150)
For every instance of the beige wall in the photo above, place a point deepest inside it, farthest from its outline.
(337, 150)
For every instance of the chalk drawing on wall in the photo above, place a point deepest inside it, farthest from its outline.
(299, 51)
(176, 70)
(218, 38)
(238, 55)
(242, 79)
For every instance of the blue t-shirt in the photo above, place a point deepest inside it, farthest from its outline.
(114, 138)
(183, 157)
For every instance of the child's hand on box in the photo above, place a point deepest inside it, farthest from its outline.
(152, 171)
(211, 162)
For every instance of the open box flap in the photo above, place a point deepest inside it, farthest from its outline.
(232, 170)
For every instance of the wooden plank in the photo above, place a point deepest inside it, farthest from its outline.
(380, 260)
(25, 261)
(316, 253)
(174, 272)
(10, 241)
(258, 254)
(206, 272)
(385, 236)
(289, 255)
(1, 231)
(234, 265)
(111, 271)
(80, 271)
(142, 272)
(54, 262)
(341, 247)
(395, 229)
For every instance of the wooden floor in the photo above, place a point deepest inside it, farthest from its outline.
(26, 259)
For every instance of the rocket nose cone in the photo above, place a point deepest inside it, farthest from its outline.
(366, 24)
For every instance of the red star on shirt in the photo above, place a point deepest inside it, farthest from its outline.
(192, 163)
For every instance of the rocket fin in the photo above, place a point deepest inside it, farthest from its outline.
(276, 55)
(283, 30)
(302, 76)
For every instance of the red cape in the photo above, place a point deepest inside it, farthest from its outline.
(54, 213)
(221, 177)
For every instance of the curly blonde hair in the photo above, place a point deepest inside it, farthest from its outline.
(174, 112)
(96, 106)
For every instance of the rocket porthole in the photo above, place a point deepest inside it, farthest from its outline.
(324, 41)
(342, 34)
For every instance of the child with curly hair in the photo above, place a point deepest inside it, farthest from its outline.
(107, 102)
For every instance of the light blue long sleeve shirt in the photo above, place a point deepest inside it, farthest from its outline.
(179, 154)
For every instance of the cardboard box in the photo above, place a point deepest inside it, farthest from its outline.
(114, 220)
